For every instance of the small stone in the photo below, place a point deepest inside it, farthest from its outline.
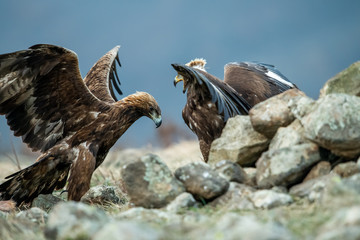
(320, 169)
(347, 81)
(270, 199)
(231, 171)
(286, 166)
(237, 197)
(238, 142)
(201, 181)
(267, 116)
(33, 214)
(102, 195)
(346, 169)
(313, 189)
(149, 182)
(181, 202)
(333, 124)
(46, 201)
(7, 206)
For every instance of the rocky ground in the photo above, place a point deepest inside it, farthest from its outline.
(289, 170)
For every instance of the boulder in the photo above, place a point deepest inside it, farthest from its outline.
(231, 171)
(46, 201)
(201, 181)
(286, 166)
(267, 116)
(238, 142)
(347, 81)
(334, 124)
(346, 169)
(320, 169)
(267, 199)
(102, 195)
(182, 202)
(149, 182)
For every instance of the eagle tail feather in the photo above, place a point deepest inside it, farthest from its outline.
(42, 177)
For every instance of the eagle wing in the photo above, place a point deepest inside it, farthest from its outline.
(102, 78)
(256, 81)
(43, 95)
(227, 100)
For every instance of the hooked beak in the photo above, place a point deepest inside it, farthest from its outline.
(179, 77)
(157, 119)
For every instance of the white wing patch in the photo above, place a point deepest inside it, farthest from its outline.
(279, 78)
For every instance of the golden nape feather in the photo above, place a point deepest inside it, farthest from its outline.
(71, 121)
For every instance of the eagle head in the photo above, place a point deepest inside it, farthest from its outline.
(146, 105)
(187, 72)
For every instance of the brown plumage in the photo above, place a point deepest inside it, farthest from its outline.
(211, 101)
(71, 121)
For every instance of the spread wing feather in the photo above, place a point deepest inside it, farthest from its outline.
(227, 100)
(43, 95)
(267, 72)
(102, 78)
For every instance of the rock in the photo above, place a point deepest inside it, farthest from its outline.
(102, 195)
(201, 181)
(347, 81)
(129, 230)
(288, 136)
(269, 199)
(231, 171)
(237, 197)
(301, 106)
(286, 166)
(345, 224)
(74, 220)
(251, 175)
(232, 226)
(320, 169)
(346, 169)
(267, 116)
(334, 124)
(238, 142)
(149, 182)
(46, 201)
(33, 214)
(14, 230)
(313, 189)
(181, 202)
(7, 206)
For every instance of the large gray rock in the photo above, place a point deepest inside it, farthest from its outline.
(15, 230)
(201, 181)
(182, 202)
(300, 106)
(231, 171)
(239, 143)
(347, 81)
(34, 214)
(73, 220)
(286, 166)
(334, 124)
(266, 117)
(46, 201)
(149, 182)
(288, 136)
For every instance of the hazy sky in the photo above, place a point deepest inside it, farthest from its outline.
(308, 41)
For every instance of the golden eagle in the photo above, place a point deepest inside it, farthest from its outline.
(72, 121)
(211, 101)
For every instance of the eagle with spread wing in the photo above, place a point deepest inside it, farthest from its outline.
(72, 121)
(211, 101)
